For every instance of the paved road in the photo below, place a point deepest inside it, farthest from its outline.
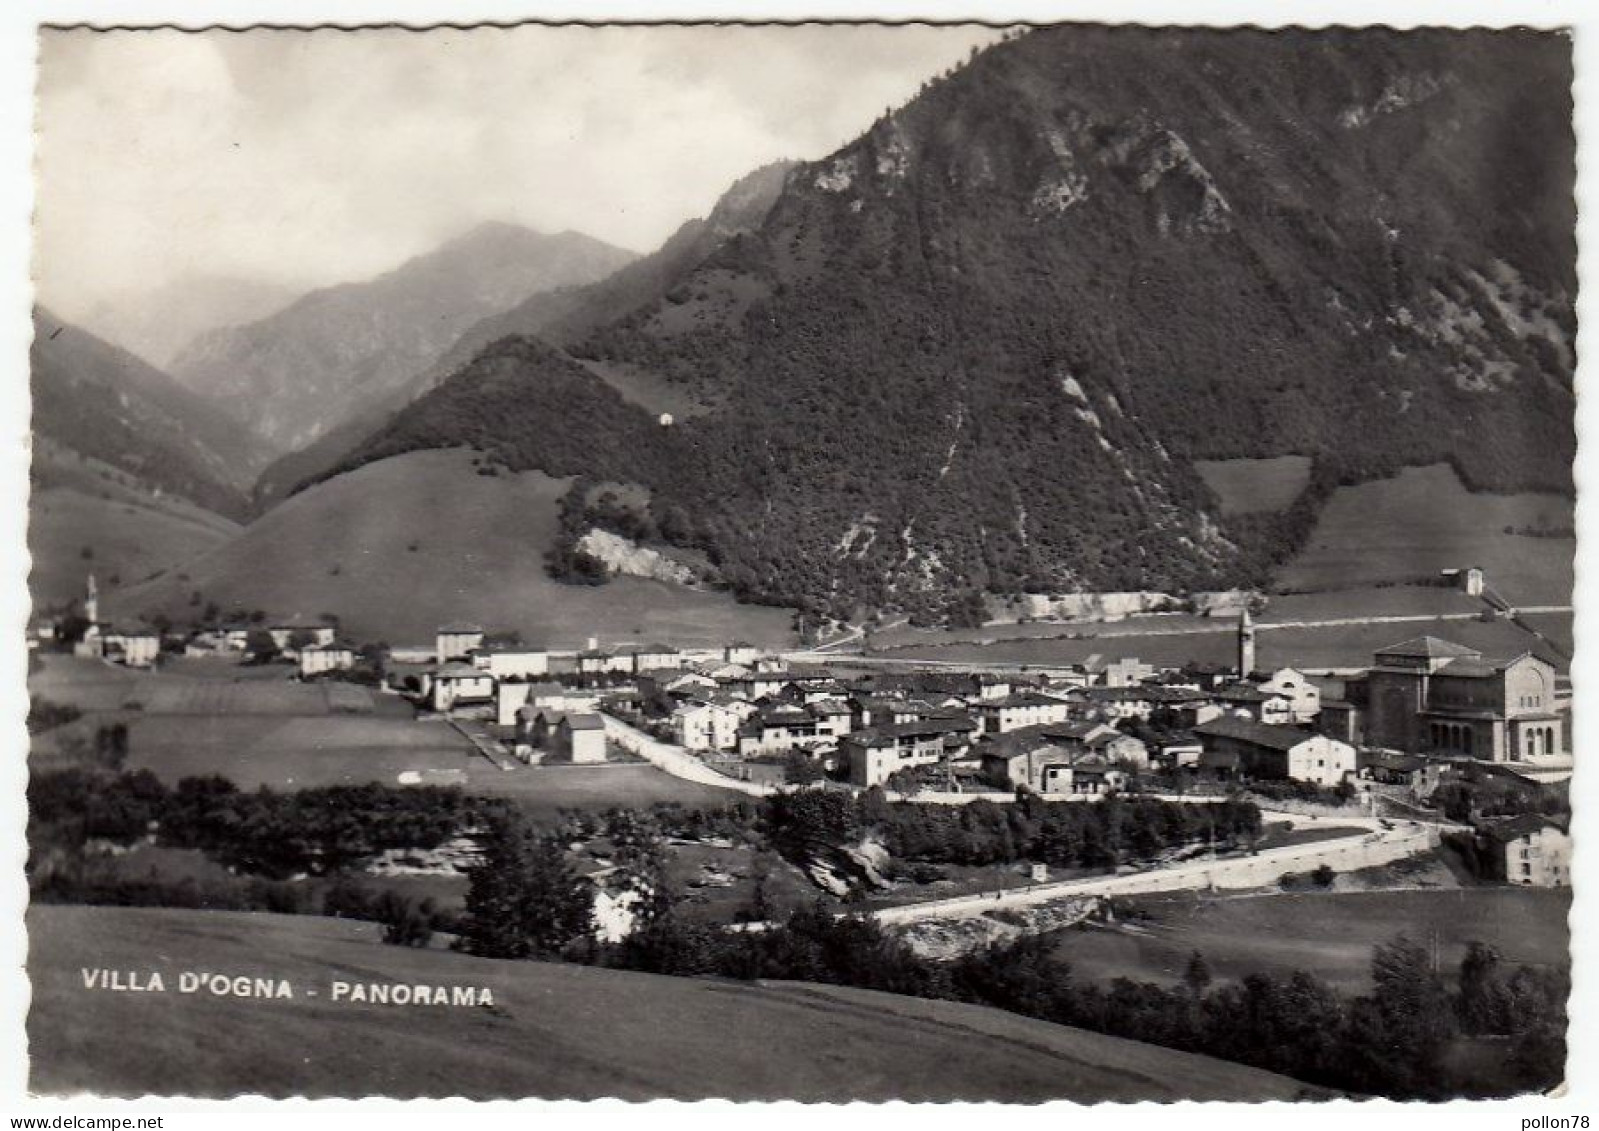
(1404, 839)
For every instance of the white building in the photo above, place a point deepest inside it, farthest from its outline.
(1304, 697)
(456, 641)
(326, 658)
(1241, 748)
(1532, 850)
(460, 684)
(702, 725)
(511, 661)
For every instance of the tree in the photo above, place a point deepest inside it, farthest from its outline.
(301, 639)
(260, 645)
(524, 900)
(799, 768)
(1197, 976)
(1484, 1000)
(405, 923)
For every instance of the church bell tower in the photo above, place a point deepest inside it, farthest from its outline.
(1246, 645)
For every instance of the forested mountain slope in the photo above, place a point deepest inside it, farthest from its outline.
(979, 347)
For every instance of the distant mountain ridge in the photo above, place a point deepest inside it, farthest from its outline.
(157, 323)
(105, 404)
(336, 353)
(557, 316)
(979, 348)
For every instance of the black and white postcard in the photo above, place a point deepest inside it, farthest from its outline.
(833, 562)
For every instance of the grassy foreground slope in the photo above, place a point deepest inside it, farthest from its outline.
(406, 544)
(553, 1031)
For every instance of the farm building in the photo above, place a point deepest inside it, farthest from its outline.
(595, 660)
(651, 657)
(291, 638)
(1245, 749)
(740, 653)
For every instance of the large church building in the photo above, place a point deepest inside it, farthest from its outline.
(1430, 696)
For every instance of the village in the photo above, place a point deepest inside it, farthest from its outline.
(1428, 720)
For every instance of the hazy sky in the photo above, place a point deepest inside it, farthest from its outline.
(317, 157)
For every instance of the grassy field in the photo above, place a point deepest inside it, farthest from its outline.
(1368, 601)
(199, 687)
(1246, 486)
(404, 545)
(303, 753)
(83, 504)
(1330, 935)
(1424, 521)
(553, 1031)
(1337, 646)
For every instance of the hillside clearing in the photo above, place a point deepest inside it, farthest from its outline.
(554, 1031)
(1424, 521)
(403, 545)
(1247, 486)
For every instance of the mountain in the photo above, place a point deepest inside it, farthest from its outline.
(980, 348)
(568, 315)
(559, 316)
(157, 323)
(101, 402)
(338, 352)
(131, 473)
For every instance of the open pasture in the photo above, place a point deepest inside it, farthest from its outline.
(1423, 521)
(1326, 934)
(293, 753)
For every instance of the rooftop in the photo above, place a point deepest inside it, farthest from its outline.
(1428, 648)
(1256, 734)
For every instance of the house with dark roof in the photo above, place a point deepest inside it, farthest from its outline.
(1432, 696)
(1241, 748)
(1530, 849)
(1020, 709)
(875, 755)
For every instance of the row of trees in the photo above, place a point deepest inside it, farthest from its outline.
(1064, 833)
(262, 833)
(527, 901)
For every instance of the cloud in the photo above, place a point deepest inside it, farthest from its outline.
(313, 157)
